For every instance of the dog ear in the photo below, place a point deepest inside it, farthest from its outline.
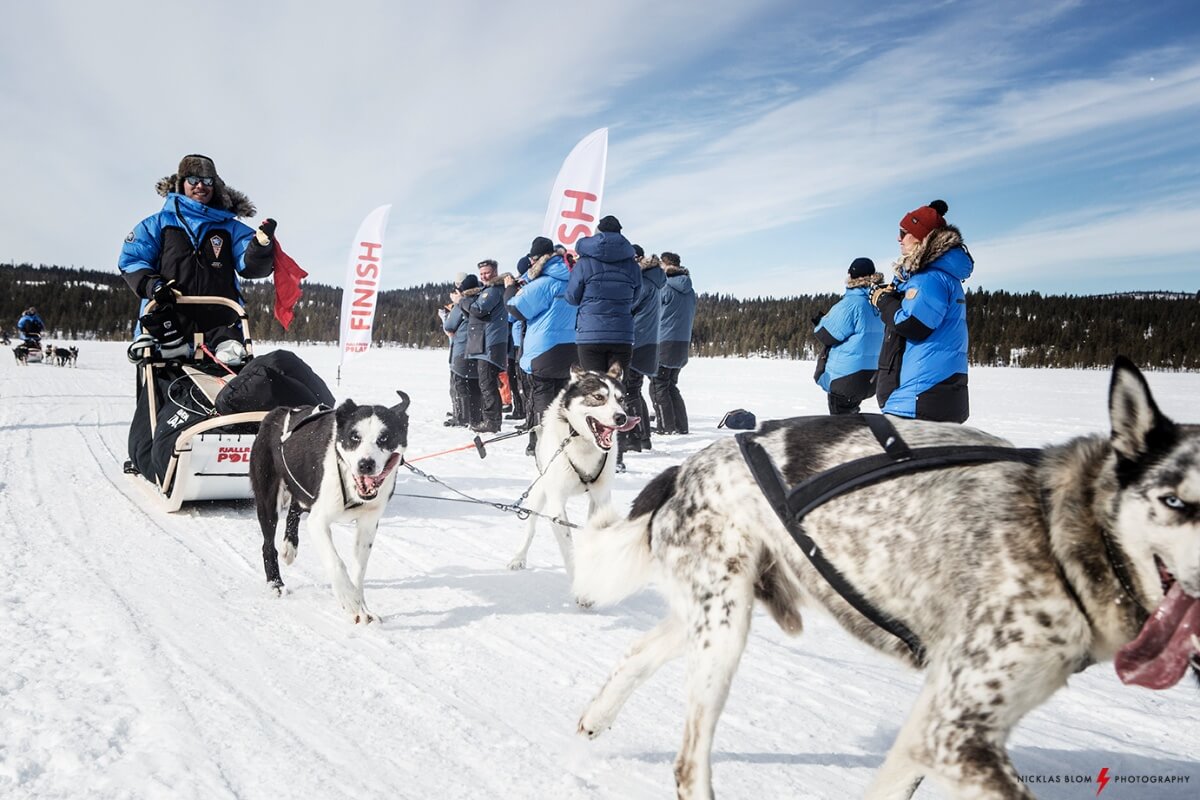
(1137, 424)
(345, 410)
(617, 374)
(577, 372)
(402, 406)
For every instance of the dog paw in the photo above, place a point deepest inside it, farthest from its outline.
(365, 617)
(516, 563)
(585, 728)
(276, 588)
(584, 603)
(288, 552)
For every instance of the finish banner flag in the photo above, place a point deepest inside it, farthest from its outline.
(361, 289)
(575, 201)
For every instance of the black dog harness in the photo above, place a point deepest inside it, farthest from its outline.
(794, 503)
(292, 424)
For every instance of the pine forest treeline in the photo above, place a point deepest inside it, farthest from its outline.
(1158, 330)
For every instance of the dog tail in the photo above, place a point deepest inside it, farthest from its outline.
(612, 555)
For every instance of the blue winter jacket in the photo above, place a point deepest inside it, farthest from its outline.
(204, 249)
(923, 363)
(30, 325)
(647, 317)
(604, 285)
(548, 345)
(487, 338)
(456, 323)
(679, 309)
(854, 324)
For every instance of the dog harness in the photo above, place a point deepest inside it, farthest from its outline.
(292, 424)
(792, 504)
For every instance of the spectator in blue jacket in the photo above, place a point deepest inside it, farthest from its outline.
(465, 378)
(548, 342)
(30, 325)
(851, 334)
(604, 284)
(195, 245)
(647, 317)
(674, 344)
(487, 342)
(923, 361)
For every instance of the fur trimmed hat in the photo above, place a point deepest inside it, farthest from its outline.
(922, 221)
(224, 197)
(609, 224)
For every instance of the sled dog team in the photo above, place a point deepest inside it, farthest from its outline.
(1000, 578)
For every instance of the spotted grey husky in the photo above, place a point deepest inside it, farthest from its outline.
(339, 466)
(1009, 576)
(574, 452)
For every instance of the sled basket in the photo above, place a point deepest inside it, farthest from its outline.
(210, 458)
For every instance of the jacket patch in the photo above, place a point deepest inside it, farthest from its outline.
(910, 294)
(217, 243)
(129, 239)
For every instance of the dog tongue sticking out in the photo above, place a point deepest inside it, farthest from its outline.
(1159, 656)
(368, 485)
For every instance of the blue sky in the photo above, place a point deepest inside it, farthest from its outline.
(769, 143)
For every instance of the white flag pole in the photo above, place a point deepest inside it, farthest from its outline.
(578, 192)
(361, 289)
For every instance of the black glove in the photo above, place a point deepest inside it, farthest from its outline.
(816, 318)
(168, 330)
(878, 293)
(268, 230)
(164, 293)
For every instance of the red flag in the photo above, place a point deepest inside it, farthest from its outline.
(287, 286)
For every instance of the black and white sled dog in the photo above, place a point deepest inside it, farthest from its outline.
(339, 465)
(1013, 575)
(574, 452)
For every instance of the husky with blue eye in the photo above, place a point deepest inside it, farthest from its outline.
(999, 578)
(338, 465)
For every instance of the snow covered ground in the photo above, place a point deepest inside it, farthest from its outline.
(141, 657)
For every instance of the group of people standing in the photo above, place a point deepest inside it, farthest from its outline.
(903, 341)
(608, 303)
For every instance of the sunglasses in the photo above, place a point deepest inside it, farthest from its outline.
(196, 180)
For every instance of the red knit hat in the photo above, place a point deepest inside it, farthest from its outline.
(922, 221)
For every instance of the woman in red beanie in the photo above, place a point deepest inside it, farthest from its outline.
(923, 361)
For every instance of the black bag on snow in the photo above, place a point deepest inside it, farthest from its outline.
(277, 379)
(739, 419)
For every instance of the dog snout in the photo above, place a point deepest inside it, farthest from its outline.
(619, 419)
(366, 466)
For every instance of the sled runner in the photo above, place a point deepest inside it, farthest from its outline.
(198, 413)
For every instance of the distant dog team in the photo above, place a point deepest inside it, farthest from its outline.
(1013, 576)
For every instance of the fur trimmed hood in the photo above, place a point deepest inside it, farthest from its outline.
(225, 197)
(673, 270)
(865, 281)
(931, 248)
(649, 262)
(537, 266)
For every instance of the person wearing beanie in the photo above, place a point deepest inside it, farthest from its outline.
(196, 245)
(465, 396)
(850, 334)
(674, 346)
(537, 303)
(604, 284)
(923, 360)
